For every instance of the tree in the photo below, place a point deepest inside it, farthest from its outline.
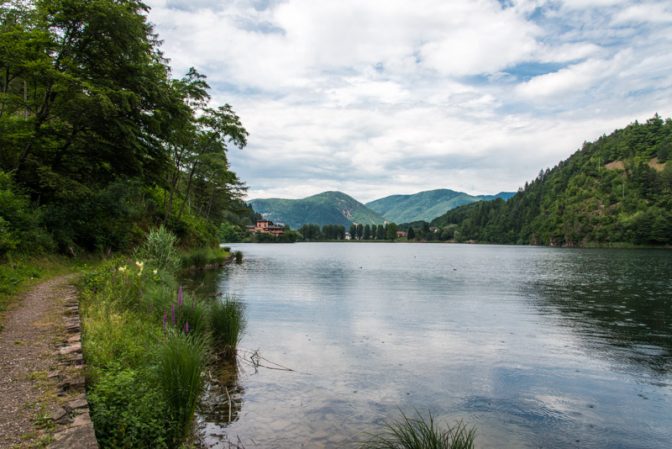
(411, 233)
(391, 231)
(380, 232)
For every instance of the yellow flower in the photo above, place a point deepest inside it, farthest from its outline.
(122, 269)
(155, 271)
(140, 266)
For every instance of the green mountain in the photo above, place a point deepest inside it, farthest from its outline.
(616, 190)
(426, 205)
(323, 208)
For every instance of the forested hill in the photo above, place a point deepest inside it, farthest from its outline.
(323, 208)
(98, 141)
(616, 190)
(427, 205)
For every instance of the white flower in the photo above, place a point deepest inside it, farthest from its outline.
(122, 269)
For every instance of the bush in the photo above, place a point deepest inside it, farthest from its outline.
(20, 223)
(418, 433)
(159, 250)
(227, 323)
(181, 361)
(127, 412)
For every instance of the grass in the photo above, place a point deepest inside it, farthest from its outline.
(227, 323)
(421, 433)
(200, 258)
(181, 361)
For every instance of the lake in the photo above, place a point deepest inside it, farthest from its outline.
(534, 347)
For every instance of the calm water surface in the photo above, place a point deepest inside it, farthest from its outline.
(535, 347)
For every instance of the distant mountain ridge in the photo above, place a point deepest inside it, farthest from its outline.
(427, 205)
(323, 208)
(339, 208)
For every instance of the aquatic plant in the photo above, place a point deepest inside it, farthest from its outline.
(239, 256)
(227, 323)
(421, 433)
(181, 362)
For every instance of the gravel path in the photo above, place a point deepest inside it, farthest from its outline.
(33, 329)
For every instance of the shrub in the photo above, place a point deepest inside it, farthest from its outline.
(239, 256)
(127, 411)
(227, 323)
(181, 361)
(159, 250)
(418, 433)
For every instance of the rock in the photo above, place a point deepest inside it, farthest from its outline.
(78, 437)
(77, 403)
(75, 339)
(73, 348)
(82, 420)
(59, 415)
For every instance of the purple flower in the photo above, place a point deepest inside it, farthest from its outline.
(180, 296)
(172, 313)
(186, 327)
(165, 320)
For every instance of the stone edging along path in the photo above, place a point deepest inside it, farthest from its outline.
(76, 429)
(42, 382)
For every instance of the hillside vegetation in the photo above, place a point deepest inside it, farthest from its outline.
(98, 141)
(425, 206)
(614, 191)
(335, 208)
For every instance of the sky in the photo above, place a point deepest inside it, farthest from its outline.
(381, 97)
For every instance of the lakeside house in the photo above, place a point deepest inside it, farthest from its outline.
(402, 234)
(267, 227)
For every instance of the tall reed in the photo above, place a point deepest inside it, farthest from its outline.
(227, 323)
(181, 362)
(421, 433)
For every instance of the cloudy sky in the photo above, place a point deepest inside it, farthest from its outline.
(375, 97)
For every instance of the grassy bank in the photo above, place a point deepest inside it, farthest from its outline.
(146, 342)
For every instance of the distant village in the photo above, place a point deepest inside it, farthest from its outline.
(278, 229)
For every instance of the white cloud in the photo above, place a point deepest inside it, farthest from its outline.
(377, 98)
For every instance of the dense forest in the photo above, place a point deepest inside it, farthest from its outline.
(616, 190)
(98, 142)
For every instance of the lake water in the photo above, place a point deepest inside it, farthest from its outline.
(534, 347)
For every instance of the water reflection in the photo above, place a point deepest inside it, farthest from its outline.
(221, 404)
(523, 343)
(618, 302)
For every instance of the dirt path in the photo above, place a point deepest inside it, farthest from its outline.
(32, 397)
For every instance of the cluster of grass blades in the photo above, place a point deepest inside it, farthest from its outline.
(227, 323)
(420, 433)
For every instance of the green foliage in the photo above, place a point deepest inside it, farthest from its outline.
(181, 362)
(227, 322)
(92, 128)
(199, 258)
(19, 222)
(128, 413)
(609, 192)
(419, 433)
(144, 339)
(159, 250)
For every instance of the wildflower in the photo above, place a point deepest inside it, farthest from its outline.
(165, 320)
(122, 269)
(140, 266)
(155, 271)
(172, 313)
(180, 296)
(186, 327)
